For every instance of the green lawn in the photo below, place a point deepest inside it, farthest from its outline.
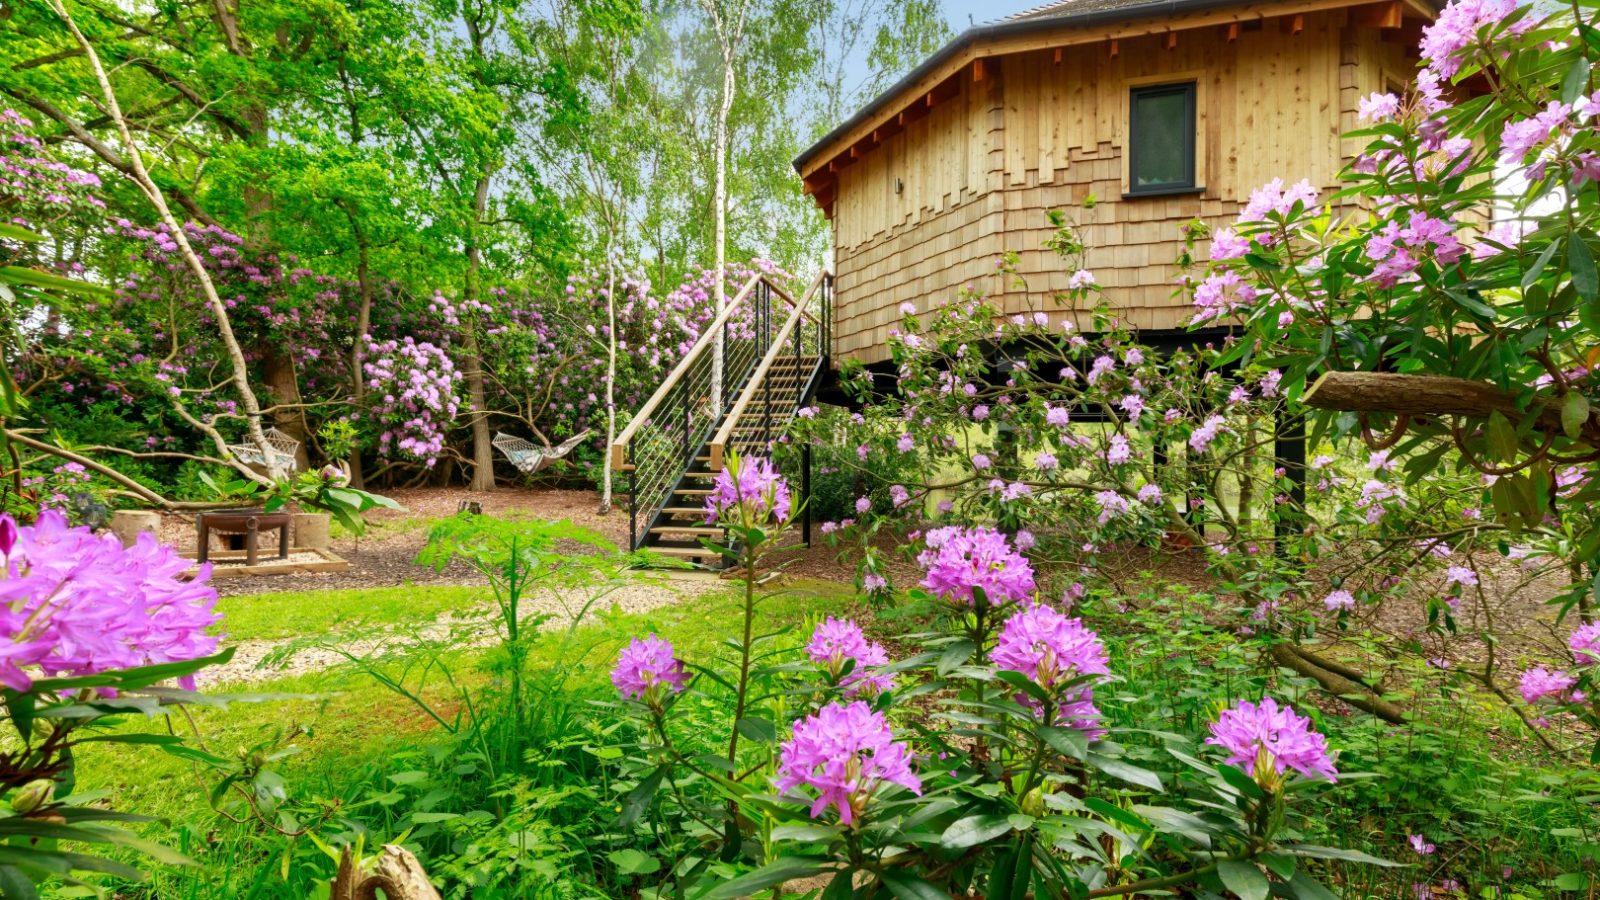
(291, 614)
(344, 725)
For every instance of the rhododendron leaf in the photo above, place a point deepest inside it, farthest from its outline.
(1580, 261)
(1244, 879)
(1574, 413)
(1315, 852)
(1305, 887)
(784, 868)
(1176, 821)
(1069, 742)
(757, 729)
(1128, 772)
(1239, 781)
(842, 887)
(638, 799)
(806, 832)
(974, 830)
(953, 656)
(14, 884)
(906, 886)
(1281, 864)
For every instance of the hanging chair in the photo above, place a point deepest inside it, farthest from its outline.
(284, 450)
(529, 457)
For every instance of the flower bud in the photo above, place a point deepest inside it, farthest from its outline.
(8, 535)
(33, 795)
(1033, 802)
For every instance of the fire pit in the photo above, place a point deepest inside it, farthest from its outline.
(248, 522)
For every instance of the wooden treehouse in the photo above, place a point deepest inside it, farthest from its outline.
(1163, 111)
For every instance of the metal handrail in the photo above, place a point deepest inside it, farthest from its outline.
(757, 380)
(619, 447)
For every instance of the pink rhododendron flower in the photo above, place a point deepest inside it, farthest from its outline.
(1112, 505)
(1251, 732)
(646, 668)
(1052, 650)
(1339, 600)
(961, 561)
(837, 641)
(1057, 416)
(1421, 844)
(1457, 29)
(1201, 438)
(1273, 198)
(1461, 575)
(1080, 280)
(1226, 244)
(845, 754)
(1150, 494)
(1221, 294)
(74, 604)
(748, 491)
(1379, 106)
(1539, 683)
(1585, 644)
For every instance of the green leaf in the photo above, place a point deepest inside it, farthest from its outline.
(18, 233)
(632, 862)
(975, 830)
(638, 799)
(1574, 413)
(1304, 887)
(784, 868)
(1069, 742)
(1244, 879)
(46, 281)
(841, 887)
(906, 886)
(1502, 437)
(1580, 262)
(757, 729)
(1314, 852)
(1128, 772)
(1577, 78)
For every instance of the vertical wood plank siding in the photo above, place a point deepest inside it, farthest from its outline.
(977, 174)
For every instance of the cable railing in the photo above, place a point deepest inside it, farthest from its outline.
(661, 442)
(786, 376)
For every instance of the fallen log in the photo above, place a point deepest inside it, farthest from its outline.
(1354, 693)
(1433, 396)
(395, 872)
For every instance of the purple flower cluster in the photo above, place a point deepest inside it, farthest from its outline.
(1585, 644)
(1456, 30)
(845, 754)
(839, 640)
(961, 561)
(1539, 683)
(1051, 650)
(749, 492)
(414, 395)
(646, 668)
(1257, 732)
(75, 604)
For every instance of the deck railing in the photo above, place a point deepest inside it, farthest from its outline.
(660, 443)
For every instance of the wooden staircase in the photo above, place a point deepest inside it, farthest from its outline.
(774, 352)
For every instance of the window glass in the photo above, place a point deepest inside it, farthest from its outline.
(1163, 135)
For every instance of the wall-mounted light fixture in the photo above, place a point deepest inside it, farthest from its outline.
(899, 186)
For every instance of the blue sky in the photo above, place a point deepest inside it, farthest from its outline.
(963, 14)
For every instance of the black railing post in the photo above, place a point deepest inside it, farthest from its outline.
(688, 411)
(805, 494)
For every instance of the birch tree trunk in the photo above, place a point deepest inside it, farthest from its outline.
(729, 30)
(239, 374)
(482, 442)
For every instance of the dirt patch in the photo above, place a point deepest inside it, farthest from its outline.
(386, 554)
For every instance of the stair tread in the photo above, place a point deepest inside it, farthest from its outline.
(682, 551)
(708, 530)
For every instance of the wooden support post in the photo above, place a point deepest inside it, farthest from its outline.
(1289, 454)
(1058, 56)
(1230, 32)
(1379, 15)
(1172, 40)
(977, 70)
(1293, 24)
(1113, 48)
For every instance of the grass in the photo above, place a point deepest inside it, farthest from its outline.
(291, 614)
(346, 729)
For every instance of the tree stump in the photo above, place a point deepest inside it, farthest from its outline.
(311, 530)
(128, 524)
(394, 875)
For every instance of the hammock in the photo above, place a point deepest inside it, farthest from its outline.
(283, 451)
(529, 457)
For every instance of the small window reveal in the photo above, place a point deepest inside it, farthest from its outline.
(1161, 139)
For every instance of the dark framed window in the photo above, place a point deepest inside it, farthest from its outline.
(1161, 139)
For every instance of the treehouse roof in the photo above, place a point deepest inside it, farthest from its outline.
(1076, 22)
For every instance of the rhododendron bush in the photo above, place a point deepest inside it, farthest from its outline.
(973, 759)
(91, 631)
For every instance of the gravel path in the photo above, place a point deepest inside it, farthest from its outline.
(256, 661)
